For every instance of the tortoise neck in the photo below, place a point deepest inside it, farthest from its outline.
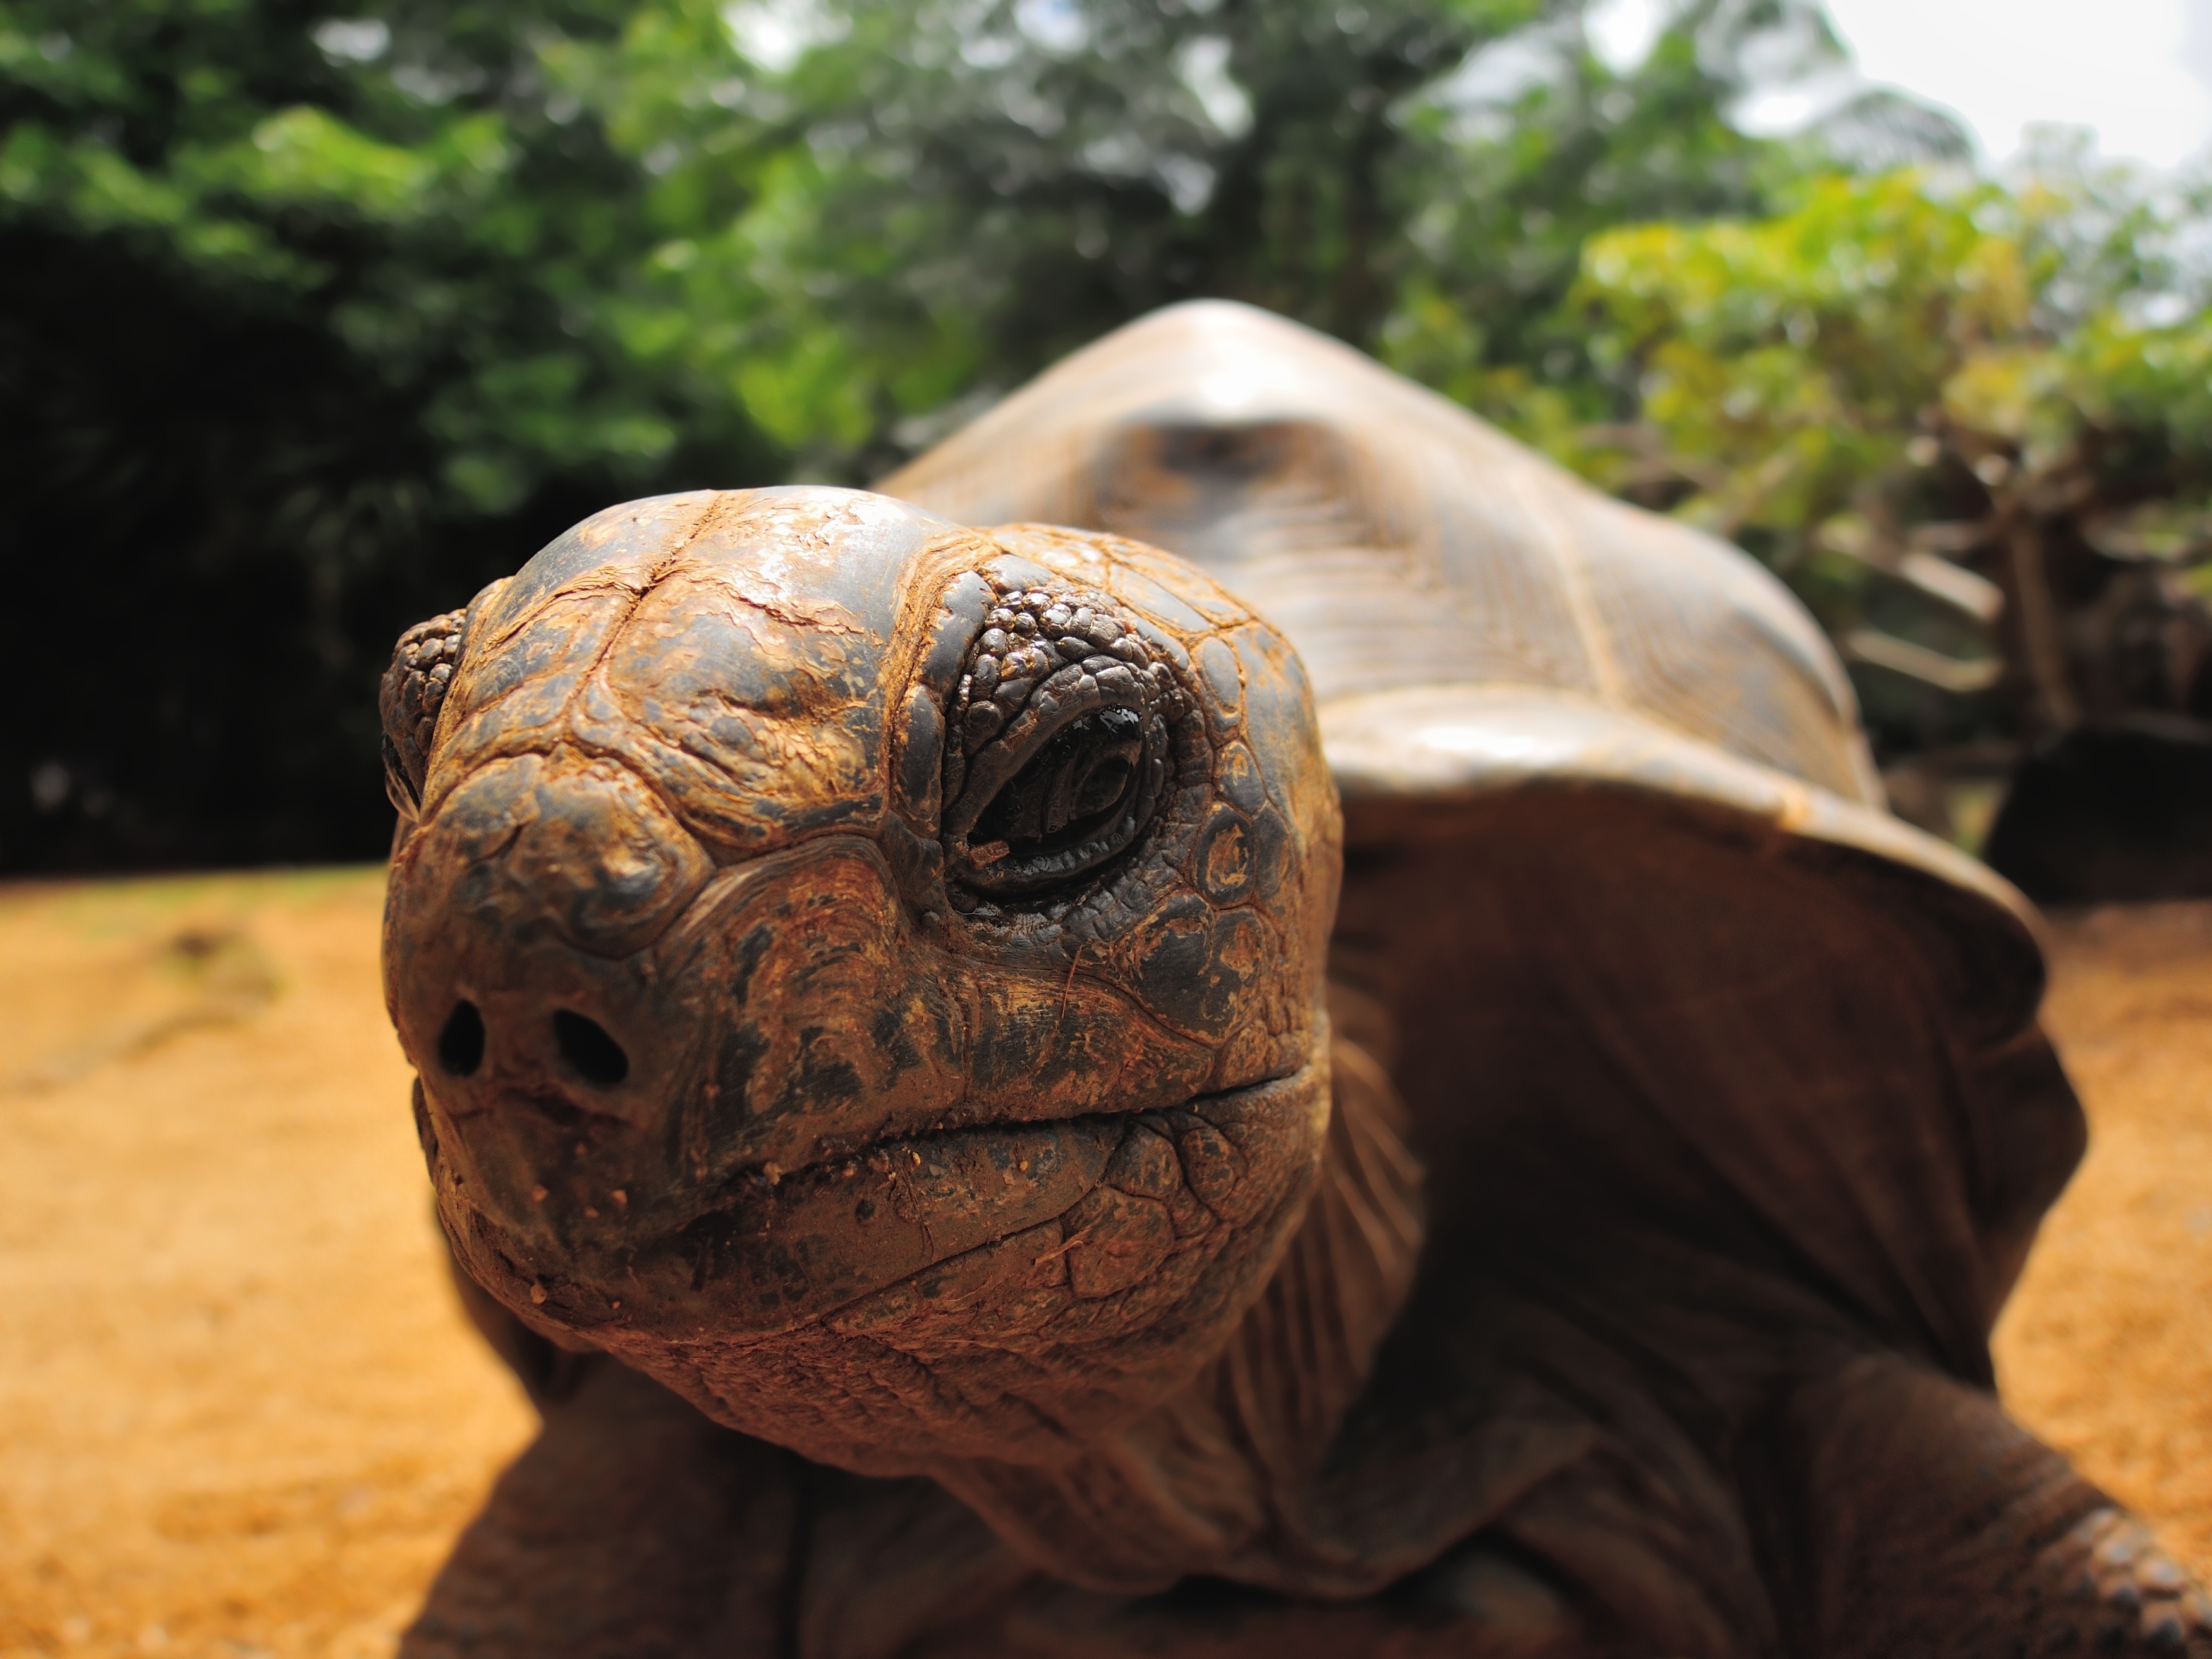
(1218, 1478)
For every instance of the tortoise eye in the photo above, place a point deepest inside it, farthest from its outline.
(1068, 801)
(1058, 746)
(413, 688)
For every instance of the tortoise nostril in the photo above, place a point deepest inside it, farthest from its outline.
(461, 1044)
(586, 1045)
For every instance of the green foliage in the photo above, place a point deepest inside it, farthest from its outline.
(415, 186)
(945, 197)
(1523, 184)
(1962, 390)
(939, 199)
(309, 327)
(1792, 357)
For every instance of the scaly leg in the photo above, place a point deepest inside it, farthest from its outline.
(1932, 1523)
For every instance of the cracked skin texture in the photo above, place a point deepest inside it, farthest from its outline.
(1090, 1239)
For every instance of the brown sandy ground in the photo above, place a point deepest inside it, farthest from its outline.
(240, 1414)
(2106, 1348)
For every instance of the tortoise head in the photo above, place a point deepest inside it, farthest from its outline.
(861, 971)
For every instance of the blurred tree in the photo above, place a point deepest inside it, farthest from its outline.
(307, 327)
(311, 323)
(1973, 425)
(947, 196)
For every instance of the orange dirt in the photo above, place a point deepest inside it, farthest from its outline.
(2106, 1348)
(240, 1414)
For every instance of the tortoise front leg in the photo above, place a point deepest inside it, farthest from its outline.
(632, 1525)
(1934, 1524)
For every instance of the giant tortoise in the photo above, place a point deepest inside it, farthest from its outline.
(905, 1090)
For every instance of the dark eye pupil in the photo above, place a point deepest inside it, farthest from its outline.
(1104, 784)
(1074, 788)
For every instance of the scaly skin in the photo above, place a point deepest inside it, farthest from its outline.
(1934, 1524)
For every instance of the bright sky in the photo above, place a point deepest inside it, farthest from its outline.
(2138, 71)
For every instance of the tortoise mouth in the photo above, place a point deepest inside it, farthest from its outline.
(881, 1154)
(1110, 1196)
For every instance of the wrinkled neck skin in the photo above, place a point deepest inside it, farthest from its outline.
(1225, 1477)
